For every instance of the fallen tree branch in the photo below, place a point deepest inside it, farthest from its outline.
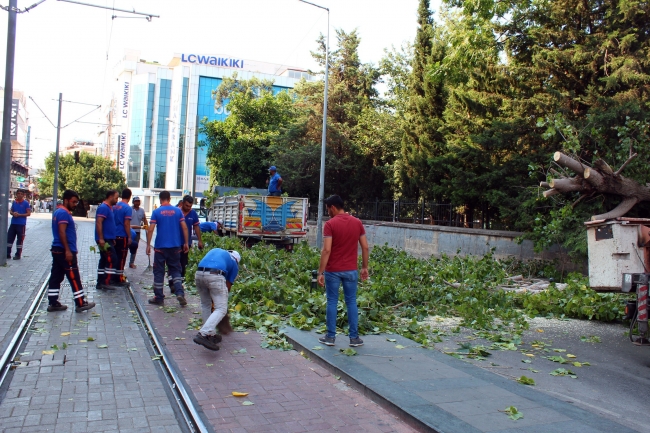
(620, 210)
(625, 164)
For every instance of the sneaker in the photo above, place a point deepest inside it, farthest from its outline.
(56, 307)
(207, 341)
(156, 301)
(181, 300)
(16, 257)
(86, 306)
(327, 341)
(356, 342)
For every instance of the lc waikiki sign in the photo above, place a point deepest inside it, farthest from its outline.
(122, 136)
(213, 61)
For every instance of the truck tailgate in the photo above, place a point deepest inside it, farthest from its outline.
(270, 216)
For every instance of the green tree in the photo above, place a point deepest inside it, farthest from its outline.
(423, 138)
(91, 177)
(238, 147)
(362, 136)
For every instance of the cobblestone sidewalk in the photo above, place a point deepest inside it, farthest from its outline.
(88, 371)
(20, 279)
(289, 393)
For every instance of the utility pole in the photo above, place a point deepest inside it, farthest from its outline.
(5, 145)
(196, 153)
(321, 189)
(55, 186)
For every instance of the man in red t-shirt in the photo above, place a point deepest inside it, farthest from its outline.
(338, 265)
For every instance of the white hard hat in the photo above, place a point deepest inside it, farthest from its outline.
(235, 255)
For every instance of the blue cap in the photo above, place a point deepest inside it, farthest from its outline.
(272, 168)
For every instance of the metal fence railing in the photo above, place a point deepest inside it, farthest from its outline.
(414, 212)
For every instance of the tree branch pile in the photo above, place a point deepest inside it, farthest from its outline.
(599, 179)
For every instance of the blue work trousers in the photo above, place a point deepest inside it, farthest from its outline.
(333, 281)
(172, 258)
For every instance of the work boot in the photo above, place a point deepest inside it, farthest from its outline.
(172, 288)
(56, 307)
(181, 300)
(16, 257)
(86, 306)
(207, 341)
(156, 301)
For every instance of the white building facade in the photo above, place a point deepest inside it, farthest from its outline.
(155, 110)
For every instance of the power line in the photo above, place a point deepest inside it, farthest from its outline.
(18, 11)
(91, 111)
(48, 119)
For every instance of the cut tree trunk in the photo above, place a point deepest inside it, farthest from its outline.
(599, 179)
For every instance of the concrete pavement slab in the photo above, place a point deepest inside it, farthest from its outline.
(444, 394)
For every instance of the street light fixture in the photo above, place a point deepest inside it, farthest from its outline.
(321, 189)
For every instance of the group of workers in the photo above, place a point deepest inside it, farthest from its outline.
(117, 232)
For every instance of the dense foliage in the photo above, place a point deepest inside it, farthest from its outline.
(274, 290)
(472, 113)
(91, 176)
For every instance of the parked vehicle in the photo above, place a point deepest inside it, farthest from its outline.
(281, 221)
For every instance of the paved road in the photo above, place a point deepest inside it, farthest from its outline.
(109, 384)
(290, 393)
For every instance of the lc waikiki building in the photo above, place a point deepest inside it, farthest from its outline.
(154, 112)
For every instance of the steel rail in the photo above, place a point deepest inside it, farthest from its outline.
(6, 362)
(192, 417)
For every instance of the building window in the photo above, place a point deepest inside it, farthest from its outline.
(181, 138)
(162, 136)
(148, 127)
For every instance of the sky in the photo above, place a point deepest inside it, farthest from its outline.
(72, 49)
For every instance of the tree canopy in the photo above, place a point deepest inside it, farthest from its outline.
(471, 113)
(91, 177)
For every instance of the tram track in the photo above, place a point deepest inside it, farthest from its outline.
(187, 408)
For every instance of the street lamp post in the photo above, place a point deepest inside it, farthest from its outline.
(5, 147)
(321, 189)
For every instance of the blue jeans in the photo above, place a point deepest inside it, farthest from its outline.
(333, 281)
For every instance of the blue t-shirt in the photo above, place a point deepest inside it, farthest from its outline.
(168, 221)
(192, 220)
(221, 259)
(20, 207)
(208, 226)
(63, 216)
(273, 183)
(122, 212)
(105, 212)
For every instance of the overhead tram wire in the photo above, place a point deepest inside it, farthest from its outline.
(300, 42)
(97, 107)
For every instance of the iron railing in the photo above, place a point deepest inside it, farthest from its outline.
(415, 212)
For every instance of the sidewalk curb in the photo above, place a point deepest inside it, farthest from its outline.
(172, 362)
(408, 418)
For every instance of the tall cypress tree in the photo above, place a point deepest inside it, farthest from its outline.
(423, 138)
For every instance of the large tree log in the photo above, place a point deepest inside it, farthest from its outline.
(599, 179)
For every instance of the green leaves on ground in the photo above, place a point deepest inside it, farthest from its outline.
(563, 372)
(273, 290)
(590, 339)
(526, 381)
(349, 351)
(513, 413)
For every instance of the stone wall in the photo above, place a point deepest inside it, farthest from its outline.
(425, 241)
